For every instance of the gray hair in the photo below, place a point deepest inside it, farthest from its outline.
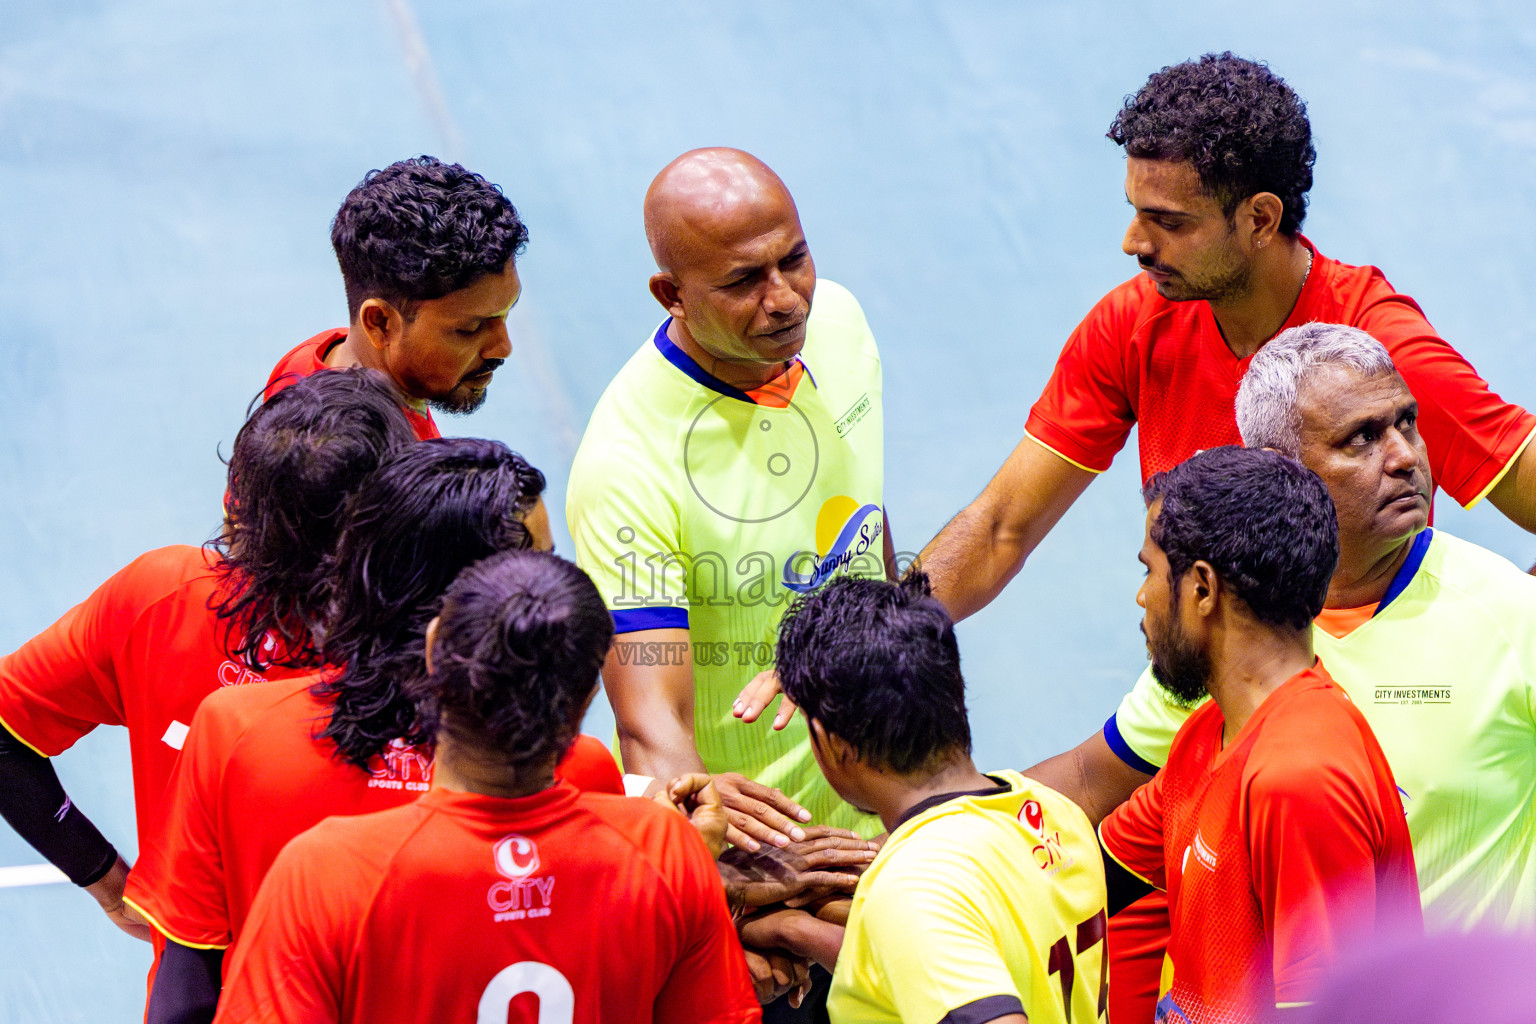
(1266, 400)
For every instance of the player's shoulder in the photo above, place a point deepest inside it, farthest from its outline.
(1482, 575)
(234, 711)
(637, 414)
(835, 304)
(303, 359)
(647, 833)
(344, 843)
(1312, 733)
(168, 570)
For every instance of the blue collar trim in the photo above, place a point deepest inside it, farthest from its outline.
(1408, 570)
(683, 361)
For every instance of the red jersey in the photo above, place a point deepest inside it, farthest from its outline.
(1277, 852)
(142, 651)
(559, 907)
(309, 357)
(255, 774)
(1141, 359)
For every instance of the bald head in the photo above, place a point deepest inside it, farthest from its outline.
(705, 197)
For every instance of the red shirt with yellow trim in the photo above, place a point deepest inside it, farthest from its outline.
(142, 652)
(1276, 852)
(254, 774)
(1163, 366)
(309, 357)
(564, 906)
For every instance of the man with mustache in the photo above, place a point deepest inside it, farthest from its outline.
(735, 460)
(427, 254)
(1219, 161)
(1275, 827)
(1432, 637)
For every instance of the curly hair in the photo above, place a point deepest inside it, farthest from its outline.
(419, 229)
(1263, 521)
(516, 655)
(1241, 126)
(421, 518)
(876, 663)
(295, 461)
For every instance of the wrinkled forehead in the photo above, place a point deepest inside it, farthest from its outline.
(1334, 395)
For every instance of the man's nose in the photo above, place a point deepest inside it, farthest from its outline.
(1401, 454)
(779, 298)
(499, 343)
(1136, 242)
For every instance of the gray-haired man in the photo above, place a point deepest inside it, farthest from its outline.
(1434, 638)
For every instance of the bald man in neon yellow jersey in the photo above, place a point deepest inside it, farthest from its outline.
(1432, 637)
(736, 461)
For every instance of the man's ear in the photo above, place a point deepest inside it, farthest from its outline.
(380, 321)
(1260, 214)
(1205, 586)
(432, 640)
(664, 288)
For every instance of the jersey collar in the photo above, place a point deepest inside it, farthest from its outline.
(1407, 570)
(776, 393)
(944, 798)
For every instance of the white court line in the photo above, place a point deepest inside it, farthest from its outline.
(418, 61)
(30, 874)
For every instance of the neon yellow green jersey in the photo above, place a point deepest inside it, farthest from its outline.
(979, 905)
(696, 505)
(1445, 672)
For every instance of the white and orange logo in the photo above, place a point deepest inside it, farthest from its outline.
(515, 856)
(523, 894)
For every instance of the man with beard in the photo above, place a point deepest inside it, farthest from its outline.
(1275, 828)
(1218, 165)
(1432, 637)
(427, 255)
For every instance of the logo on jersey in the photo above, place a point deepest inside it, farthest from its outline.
(1050, 852)
(523, 894)
(1203, 853)
(515, 856)
(401, 766)
(845, 530)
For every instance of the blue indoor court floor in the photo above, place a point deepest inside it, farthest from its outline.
(168, 171)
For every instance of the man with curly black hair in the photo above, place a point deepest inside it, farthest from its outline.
(427, 253)
(1219, 161)
(1218, 165)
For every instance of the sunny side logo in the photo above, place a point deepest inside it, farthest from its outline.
(521, 895)
(844, 531)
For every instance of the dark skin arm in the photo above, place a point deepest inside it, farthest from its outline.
(984, 547)
(1092, 776)
(653, 709)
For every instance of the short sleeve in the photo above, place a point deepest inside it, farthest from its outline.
(709, 983)
(956, 971)
(1472, 434)
(1141, 730)
(1133, 834)
(1317, 886)
(627, 531)
(179, 882)
(1085, 412)
(291, 962)
(63, 682)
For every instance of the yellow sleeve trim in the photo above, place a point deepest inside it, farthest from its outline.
(21, 739)
(1111, 854)
(1292, 1006)
(164, 931)
(1505, 471)
(1074, 462)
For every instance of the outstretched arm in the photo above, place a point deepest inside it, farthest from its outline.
(983, 547)
(1091, 775)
